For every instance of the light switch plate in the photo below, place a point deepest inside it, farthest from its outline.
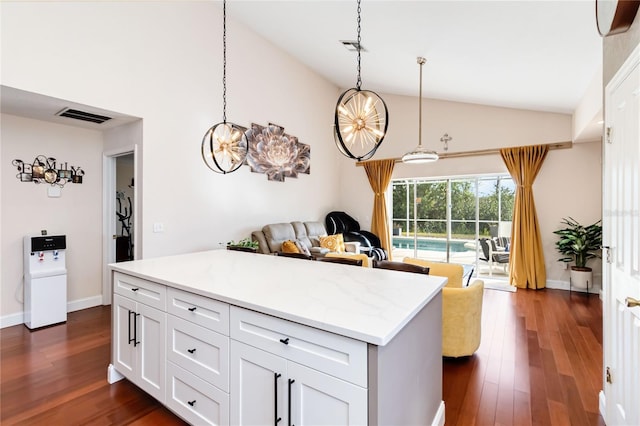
(54, 191)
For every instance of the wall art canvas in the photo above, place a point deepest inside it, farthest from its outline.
(275, 153)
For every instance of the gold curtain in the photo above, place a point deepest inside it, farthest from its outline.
(526, 264)
(379, 174)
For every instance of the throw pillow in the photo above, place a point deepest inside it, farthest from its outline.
(289, 247)
(302, 247)
(334, 243)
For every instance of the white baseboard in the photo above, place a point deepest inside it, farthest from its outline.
(564, 285)
(11, 320)
(602, 400)
(87, 302)
(438, 420)
(72, 306)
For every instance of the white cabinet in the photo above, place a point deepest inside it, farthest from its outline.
(198, 358)
(213, 363)
(320, 399)
(268, 386)
(268, 389)
(139, 344)
(258, 386)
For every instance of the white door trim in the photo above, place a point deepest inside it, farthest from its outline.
(108, 215)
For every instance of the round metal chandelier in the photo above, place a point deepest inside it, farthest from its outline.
(361, 118)
(224, 145)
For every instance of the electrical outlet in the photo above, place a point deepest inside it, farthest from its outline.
(158, 227)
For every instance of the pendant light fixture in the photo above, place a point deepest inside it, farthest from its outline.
(224, 146)
(420, 154)
(361, 117)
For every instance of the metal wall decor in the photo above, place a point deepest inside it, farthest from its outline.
(361, 117)
(224, 145)
(46, 170)
(275, 153)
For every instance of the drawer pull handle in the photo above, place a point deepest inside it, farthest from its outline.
(135, 289)
(192, 309)
(291, 381)
(191, 350)
(285, 341)
(277, 419)
(192, 403)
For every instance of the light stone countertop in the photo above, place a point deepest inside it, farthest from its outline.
(366, 304)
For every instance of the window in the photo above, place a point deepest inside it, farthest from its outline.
(441, 219)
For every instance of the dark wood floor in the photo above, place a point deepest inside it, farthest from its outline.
(539, 363)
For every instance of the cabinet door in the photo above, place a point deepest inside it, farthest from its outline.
(320, 399)
(124, 354)
(257, 392)
(151, 333)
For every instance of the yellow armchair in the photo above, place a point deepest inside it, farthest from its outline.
(461, 308)
(450, 270)
(462, 319)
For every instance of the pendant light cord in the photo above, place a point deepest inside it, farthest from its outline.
(359, 81)
(224, 61)
(421, 61)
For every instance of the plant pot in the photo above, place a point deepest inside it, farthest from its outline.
(581, 278)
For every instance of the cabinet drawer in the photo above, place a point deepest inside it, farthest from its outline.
(330, 353)
(143, 291)
(195, 400)
(201, 310)
(203, 352)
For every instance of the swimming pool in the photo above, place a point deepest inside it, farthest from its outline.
(430, 244)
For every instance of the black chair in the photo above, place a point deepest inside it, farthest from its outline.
(492, 255)
(400, 266)
(341, 223)
(294, 255)
(342, 260)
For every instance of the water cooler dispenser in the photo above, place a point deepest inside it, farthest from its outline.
(45, 280)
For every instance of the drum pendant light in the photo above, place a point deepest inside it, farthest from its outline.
(420, 154)
(361, 118)
(224, 145)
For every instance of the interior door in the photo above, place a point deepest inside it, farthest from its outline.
(621, 233)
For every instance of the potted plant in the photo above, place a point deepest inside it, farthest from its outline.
(245, 244)
(578, 244)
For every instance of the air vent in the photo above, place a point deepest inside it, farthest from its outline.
(352, 45)
(83, 115)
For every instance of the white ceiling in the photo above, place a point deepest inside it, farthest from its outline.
(538, 55)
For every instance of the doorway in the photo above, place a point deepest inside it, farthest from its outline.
(120, 212)
(125, 202)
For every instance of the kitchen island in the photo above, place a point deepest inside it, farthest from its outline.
(225, 337)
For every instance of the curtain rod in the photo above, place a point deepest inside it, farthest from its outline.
(552, 146)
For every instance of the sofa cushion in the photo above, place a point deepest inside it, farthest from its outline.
(290, 247)
(302, 247)
(315, 230)
(301, 234)
(334, 243)
(276, 234)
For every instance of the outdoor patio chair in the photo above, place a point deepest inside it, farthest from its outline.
(492, 255)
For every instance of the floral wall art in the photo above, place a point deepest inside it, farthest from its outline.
(275, 153)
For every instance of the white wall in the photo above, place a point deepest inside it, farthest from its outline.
(161, 61)
(569, 183)
(163, 64)
(26, 209)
